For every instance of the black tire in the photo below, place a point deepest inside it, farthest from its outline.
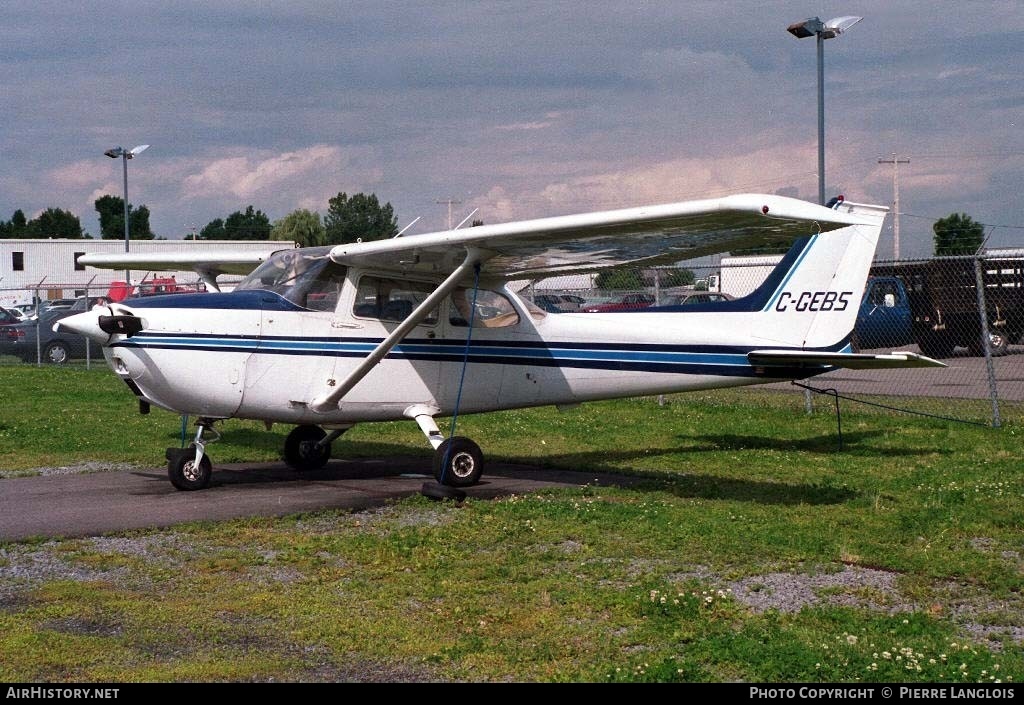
(936, 347)
(301, 451)
(184, 475)
(432, 490)
(998, 343)
(57, 353)
(458, 462)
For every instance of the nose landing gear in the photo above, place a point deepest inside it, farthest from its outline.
(190, 468)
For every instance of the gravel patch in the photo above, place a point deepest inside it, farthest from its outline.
(170, 550)
(38, 564)
(992, 636)
(791, 592)
(77, 469)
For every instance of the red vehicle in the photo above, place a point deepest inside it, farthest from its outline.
(119, 290)
(628, 302)
(8, 318)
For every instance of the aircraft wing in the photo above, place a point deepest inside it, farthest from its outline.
(590, 241)
(207, 264)
(852, 361)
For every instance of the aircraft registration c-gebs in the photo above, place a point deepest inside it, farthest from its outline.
(424, 326)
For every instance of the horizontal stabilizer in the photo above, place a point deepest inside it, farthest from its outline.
(852, 361)
(239, 262)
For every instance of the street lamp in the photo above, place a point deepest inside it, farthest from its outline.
(814, 27)
(125, 155)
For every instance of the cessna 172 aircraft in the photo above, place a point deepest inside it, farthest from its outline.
(425, 326)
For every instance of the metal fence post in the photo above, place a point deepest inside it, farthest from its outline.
(39, 352)
(986, 343)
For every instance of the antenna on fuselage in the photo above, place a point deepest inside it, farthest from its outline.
(399, 233)
(463, 221)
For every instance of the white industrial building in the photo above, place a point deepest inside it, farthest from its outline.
(51, 266)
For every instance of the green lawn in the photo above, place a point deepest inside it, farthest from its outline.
(753, 550)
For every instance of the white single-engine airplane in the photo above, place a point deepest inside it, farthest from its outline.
(425, 326)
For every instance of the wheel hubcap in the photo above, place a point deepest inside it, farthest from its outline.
(189, 471)
(462, 464)
(308, 450)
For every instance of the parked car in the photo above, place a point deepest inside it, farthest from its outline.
(696, 297)
(558, 303)
(629, 302)
(26, 310)
(20, 339)
(8, 318)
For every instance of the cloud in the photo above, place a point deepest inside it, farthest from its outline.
(517, 126)
(248, 178)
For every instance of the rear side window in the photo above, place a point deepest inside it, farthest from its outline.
(391, 299)
(493, 310)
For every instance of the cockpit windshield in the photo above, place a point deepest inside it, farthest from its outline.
(306, 277)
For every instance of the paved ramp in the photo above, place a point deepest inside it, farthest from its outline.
(99, 503)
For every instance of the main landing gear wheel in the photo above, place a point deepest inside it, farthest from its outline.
(302, 448)
(458, 462)
(182, 470)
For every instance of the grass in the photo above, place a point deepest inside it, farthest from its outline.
(753, 550)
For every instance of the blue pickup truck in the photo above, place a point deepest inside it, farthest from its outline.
(935, 306)
(884, 319)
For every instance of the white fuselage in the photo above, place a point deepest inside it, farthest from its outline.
(269, 364)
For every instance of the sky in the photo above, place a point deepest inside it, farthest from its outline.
(516, 109)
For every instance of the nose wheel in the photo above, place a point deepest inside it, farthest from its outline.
(190, 468)
(183, 471)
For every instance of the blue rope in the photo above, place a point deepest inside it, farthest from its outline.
(462, 376)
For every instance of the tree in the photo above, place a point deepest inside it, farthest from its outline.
(958, 234)
(54, 222)
(619, 279)
(360, 217)
(301, 226)
(15, 227)
(250, 225)
(111, 210)
(675, 277)
(214, 230)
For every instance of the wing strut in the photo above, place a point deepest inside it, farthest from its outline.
(328, 400)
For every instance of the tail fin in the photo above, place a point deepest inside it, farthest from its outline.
(811, 299)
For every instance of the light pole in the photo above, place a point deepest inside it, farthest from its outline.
(814, 27)
(125, 155)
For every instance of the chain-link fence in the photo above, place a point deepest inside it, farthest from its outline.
(966, 311)
(28, 316)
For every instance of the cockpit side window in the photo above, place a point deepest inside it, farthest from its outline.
(307, 278)
(391, 299)
(325, 290)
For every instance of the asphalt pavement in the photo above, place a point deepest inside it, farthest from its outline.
(99, 503)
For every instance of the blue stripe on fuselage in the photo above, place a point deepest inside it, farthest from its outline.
(685, 359)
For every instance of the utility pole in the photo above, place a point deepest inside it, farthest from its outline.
(896, 201)
(450, 202)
